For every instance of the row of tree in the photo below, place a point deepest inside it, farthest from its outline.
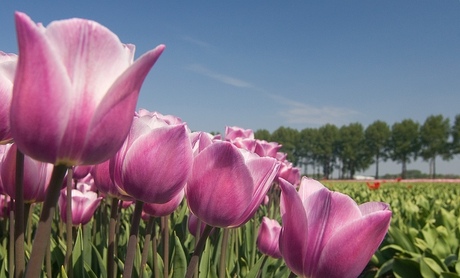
(353, 148)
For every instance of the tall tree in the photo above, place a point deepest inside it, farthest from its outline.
(307, 145)
(262, 134)
(434, 139)
(404, 143)
(351, 152)
(455, 133)
(376, 137)
(325, 148)
(289, 138)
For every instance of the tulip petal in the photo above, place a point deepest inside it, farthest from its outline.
(221, 186)
(40, 77)
(111, 115)
(294, 233)
(263, 170)
(358, 241)
(152, 175)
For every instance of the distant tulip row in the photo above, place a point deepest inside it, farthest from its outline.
(67, 105)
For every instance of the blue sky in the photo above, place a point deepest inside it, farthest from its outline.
(266, 64)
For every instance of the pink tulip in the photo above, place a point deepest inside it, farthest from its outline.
(154, 163)
(7, 70)
(268, 237)
(234, 132)
(36, 176)
(325, 233)
(104, 183)
(75, 91)
(5, 206)
(167, 208)
(228, 184)
(84, 204)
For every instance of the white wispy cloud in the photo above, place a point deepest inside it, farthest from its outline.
(295, 112)
(227, 79)
(195, 41)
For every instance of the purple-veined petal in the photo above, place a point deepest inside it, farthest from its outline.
(220, 188)
(294, 232)
(157, 164)
(358, 241)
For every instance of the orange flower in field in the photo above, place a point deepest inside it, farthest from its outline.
(373, 186)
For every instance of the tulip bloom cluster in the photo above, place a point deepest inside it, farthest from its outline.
(72, 106)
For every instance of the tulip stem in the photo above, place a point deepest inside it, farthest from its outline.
(19, 261)
(111, 271)
(68, 225)
(11, 245)
(145, 248)
(43, 232)
(165, 222)
(132, 243)
(156, 269)
(223, 254)
(197, 253)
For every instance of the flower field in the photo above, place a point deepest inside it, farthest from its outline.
(423, 239)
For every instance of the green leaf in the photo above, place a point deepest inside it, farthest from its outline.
(257, 267)
(403, 267)
(179, 260)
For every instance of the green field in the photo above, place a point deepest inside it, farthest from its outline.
(423, 240)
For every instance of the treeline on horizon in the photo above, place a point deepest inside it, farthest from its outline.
(352, 148)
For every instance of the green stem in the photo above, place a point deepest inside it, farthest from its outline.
(197, 253)
(262, 266)
(11, 246)
(165, 222)
(19, 261)
(111, 270)
(69, 238)
(28, 207)
(223, 254)
(49, 271)
(132, 243)
(43, 232)
(145, 249)
(156, 269)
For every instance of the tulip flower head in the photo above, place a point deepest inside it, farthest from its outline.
(7, 70)
(268, 237)
(36, 176)
(84, 204)
(75, 91)
(155, 161)
(228, 184)
(325, 233)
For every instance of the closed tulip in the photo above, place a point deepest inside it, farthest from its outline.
(36, 176)
(154, 163)
(84, 204)
(228, 184)
(167, 208)
(75, 91)
(7, 69)
(268, 237)
(325, 233)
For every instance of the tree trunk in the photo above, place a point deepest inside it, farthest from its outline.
(404, 169)
(377, 167)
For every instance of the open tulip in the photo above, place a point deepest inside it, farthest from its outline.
(325, 233)
(76, 88)
(7, 69)
(228, 184)
(154, 163)
(268, 237)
